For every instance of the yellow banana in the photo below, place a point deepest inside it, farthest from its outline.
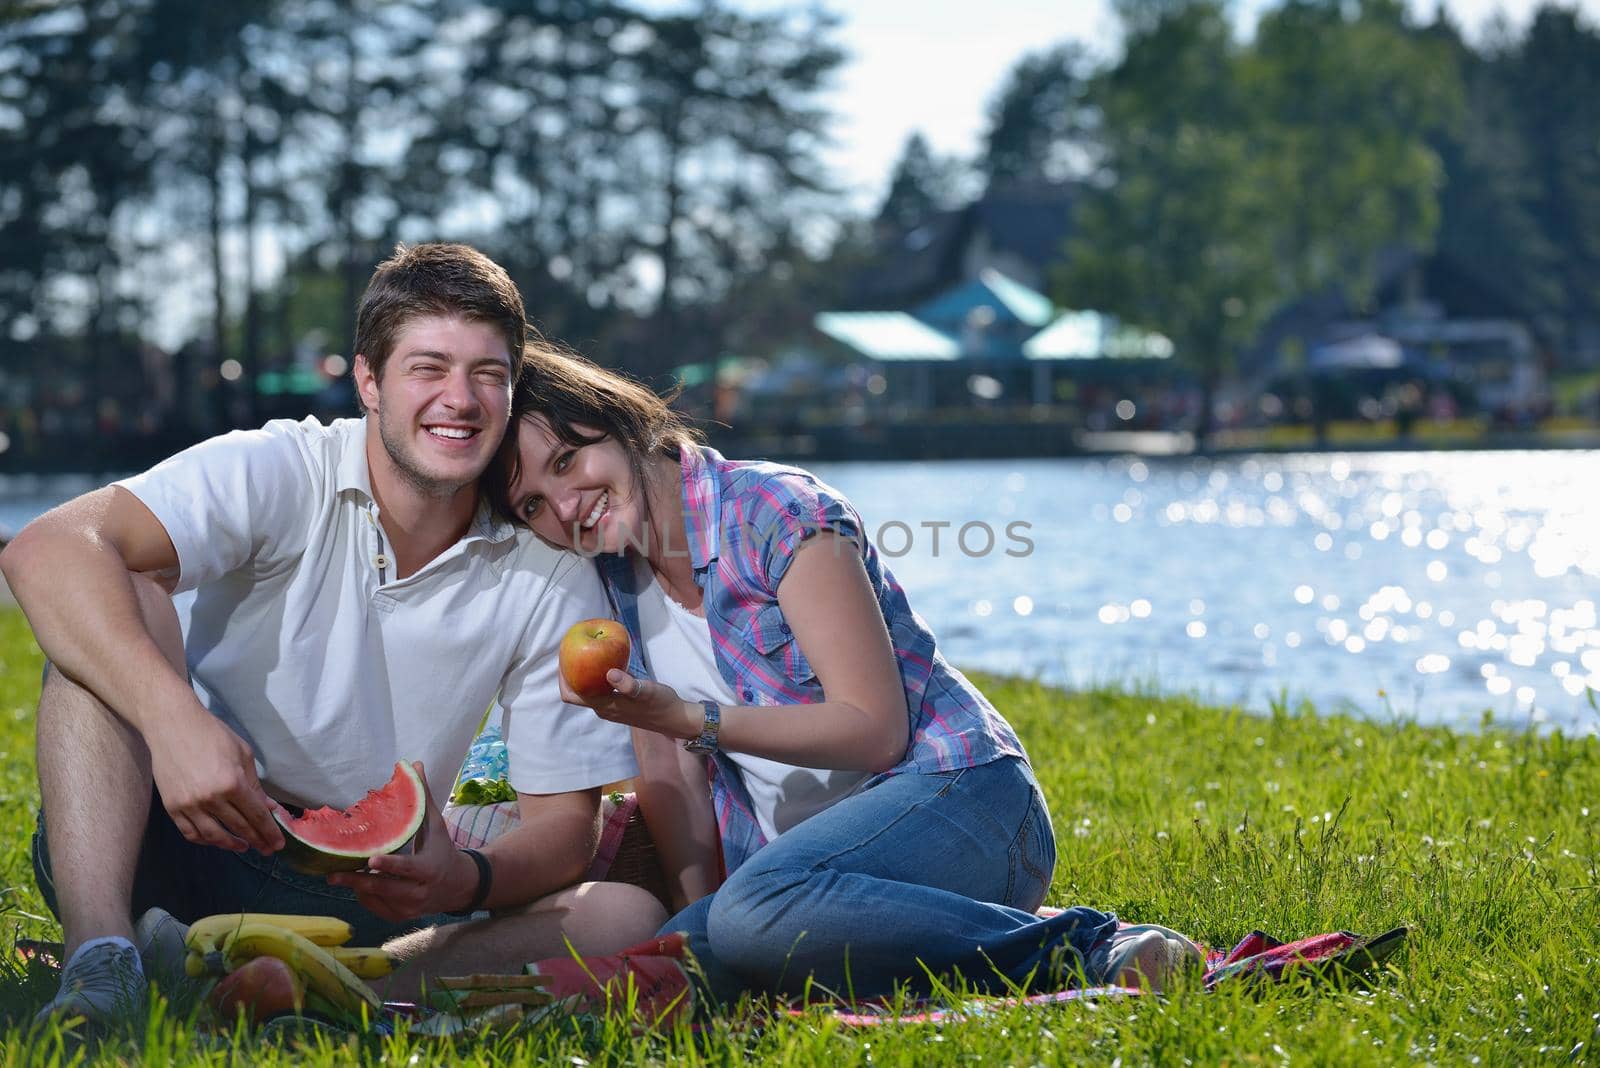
(368, 963)
(207, 935)
(321, 972)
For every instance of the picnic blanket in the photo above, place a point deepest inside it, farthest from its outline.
(626, 854)
(1257, 957)
(651, 982)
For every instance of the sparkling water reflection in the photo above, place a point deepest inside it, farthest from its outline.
(1434, 585)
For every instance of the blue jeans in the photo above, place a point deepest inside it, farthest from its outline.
(920, 875)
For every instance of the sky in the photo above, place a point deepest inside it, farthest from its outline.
(933, 65)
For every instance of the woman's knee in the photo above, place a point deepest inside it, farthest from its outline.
(756, 924)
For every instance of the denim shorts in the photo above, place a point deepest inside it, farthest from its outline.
(192, 881)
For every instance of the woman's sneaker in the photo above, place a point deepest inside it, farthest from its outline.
(103, 983)
(1144, 955)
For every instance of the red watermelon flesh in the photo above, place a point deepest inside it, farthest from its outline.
(324, 840)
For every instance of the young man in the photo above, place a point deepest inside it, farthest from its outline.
(345, 600)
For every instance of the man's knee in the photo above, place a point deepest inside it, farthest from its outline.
(615, 912)
(595, 917)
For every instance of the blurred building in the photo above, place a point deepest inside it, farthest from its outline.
(1434, 329)
(991, 340)
(1018, 229)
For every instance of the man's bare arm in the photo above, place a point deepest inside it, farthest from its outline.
(71, 572)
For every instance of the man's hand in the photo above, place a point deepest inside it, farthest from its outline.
(434, 877)
(641, 703)
(207, 778)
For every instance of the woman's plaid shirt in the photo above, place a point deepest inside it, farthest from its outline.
(744, 522)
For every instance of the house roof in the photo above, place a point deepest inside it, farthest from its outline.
(1456, 290)
(1012, 302)
(888, 335)
(1031, 221)
(1366, 350)
(1089, 335)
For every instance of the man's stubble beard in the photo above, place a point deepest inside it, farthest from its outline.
(409, 470)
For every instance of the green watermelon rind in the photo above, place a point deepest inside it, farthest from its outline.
(309, 858)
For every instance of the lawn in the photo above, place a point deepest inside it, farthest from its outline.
(1208, 819)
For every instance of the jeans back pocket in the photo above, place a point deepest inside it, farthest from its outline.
(1032, 857)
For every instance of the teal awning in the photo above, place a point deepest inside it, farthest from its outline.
(1007, 300)
(888, 335)
(1089, 335)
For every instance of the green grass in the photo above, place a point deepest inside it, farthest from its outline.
(1211, 820)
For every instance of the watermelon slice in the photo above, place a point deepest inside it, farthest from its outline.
(324, 840)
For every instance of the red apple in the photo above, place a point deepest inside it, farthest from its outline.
(591, 649)
(260, 988)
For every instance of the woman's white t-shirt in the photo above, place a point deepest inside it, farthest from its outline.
(677, 646)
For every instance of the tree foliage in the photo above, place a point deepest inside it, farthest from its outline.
(622, 162)
(1236, 177)
(921, 184)
(1042, 123)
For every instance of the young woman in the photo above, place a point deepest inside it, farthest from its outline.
(871, 819)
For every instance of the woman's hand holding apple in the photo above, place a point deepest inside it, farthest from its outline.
(594, 661)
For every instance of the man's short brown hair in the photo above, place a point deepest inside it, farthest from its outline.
(436, 279)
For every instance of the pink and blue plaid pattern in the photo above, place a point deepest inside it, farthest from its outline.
(744, 522)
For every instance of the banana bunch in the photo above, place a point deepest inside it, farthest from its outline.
(312, 946)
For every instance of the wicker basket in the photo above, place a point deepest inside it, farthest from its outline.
(626, 852)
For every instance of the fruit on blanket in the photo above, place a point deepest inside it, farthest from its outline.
(321, 973)
(259, 988)
(206, 935)
(648, 979)
(454, 993)
(328, 974)
(368, 962)
(589, 650)
(324, 840)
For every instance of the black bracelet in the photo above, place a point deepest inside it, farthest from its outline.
(485, 881)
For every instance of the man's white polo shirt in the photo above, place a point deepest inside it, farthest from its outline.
(301, 638)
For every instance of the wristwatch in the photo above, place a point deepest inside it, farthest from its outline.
(706, 744)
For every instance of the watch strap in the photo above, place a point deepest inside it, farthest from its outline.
(707, 741)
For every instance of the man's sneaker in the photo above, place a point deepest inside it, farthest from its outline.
(103, 984)
(162, 950)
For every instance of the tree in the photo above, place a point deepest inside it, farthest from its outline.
(1556, 69)
(921, 185)
(727, 144)
(1488, 198)
(1236, 178)
(208, 127)
(1041, 124)
(1345, 104)
(1172, 234)
(73, 101)
(641, 163)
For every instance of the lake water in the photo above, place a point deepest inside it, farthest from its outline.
(1433, 585)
